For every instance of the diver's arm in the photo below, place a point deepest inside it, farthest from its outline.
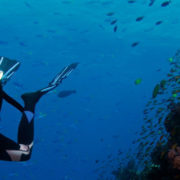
(11, 101)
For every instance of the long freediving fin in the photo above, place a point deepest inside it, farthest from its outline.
(65, 72)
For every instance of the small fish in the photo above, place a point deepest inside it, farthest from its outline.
(151, 2)
(170, 59)
(41, 115)
(115, 136)
(36, 22)
(162, 84)
(109, 156)
(138, 81)
(140, 18)
(110, 14)
(66, 93)
(156, 90)
(120, 152)
(27, 5)
(158, 23)
(166, 3)
(39, 35)
(113, 22)
(22, 44)
(66, 2)
(115, 28)
(134, 44)
(3, 42)
(56, 13)
(131, 1)
(51, 31)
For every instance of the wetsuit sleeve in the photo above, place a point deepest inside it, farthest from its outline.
(11, 101)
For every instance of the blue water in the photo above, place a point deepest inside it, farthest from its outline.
(101, 118)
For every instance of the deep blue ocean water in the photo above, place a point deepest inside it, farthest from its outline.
(73, 133)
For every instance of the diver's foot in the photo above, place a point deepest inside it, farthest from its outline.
(30, 99)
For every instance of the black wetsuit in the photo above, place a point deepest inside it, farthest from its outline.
(26, 126)
(21, 151)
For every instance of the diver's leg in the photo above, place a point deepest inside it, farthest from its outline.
(26, 126)
(21, 151)
(11, 151)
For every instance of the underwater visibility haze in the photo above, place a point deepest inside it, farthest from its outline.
(116, 117)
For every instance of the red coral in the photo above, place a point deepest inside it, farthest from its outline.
(176, 162)
(174, 157)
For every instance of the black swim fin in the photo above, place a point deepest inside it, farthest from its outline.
(7, 69)
(30, 99)
(64, 73)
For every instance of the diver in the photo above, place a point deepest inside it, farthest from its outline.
(21, 151)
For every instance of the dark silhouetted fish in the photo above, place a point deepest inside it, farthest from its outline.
(51, 31)
(22, 44)
(134, 44)
(56, 13)
(3, 42)
(66, 93)
(107, 3)
(27, 5)
(166, 3)
(36, 22)
(140, 18)
(66, 2)
(131, 1)
(39, 35)
(115, 28)
(158, 23)
(151, 2)
(110, 14)
(113, 22)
